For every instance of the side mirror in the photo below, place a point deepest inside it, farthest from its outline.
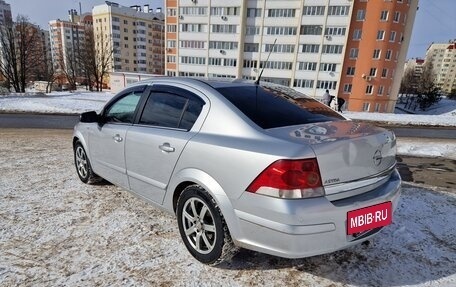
(89, 117)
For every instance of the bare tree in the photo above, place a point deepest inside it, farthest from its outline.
(69, 65)
(96, 57)
(20, 52)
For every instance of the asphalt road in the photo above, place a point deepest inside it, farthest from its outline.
(38, 121)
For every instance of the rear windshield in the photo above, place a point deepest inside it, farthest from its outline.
(275, 106)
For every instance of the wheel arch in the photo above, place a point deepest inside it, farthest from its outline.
(192, 176)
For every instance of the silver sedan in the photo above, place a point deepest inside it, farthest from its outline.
(261, 167)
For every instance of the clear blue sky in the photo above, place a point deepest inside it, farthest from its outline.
(435, 20)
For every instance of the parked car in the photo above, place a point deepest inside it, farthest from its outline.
(257, 166)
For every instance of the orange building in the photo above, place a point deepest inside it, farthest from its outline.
(376, 48)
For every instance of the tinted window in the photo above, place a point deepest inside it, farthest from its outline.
(170, 110)
(275, 106)
(123, 110)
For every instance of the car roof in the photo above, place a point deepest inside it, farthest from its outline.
(212, 82)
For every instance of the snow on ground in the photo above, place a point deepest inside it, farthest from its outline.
(56, 231)
(426, 147)
(55, 102)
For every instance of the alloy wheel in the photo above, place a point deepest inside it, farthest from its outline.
(199, 226)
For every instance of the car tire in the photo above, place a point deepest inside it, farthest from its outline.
(202, 226)
(83, 167)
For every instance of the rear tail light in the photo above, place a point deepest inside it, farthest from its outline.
(289, 179)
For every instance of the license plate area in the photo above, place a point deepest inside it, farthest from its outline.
(370, 217)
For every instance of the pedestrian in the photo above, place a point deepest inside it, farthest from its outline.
(340, 103)
(327, 98)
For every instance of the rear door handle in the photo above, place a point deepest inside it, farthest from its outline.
(166, 147)
(117, 138)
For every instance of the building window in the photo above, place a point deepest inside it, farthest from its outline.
(397, 17)
(326, 85)
(287, 13)
(357, 34)
(354, 53)
(335, 31)
(303, 83)
(222, 62)
(221, 45)
(193, 60)
(313, 11)
(279, 48)
(392, 36)
(310, 48)
(360, 15)
(369, 89)
(254, 12)
(380, 90)
(251, 47)
(192, 44)
(277, 65)
(332, 49)
(169, 59)
(350, 71)
(328, 67)
(384, 73)
(380, 34)
(225, 11)
(311, 29)
(377, 53)
(171, 44)
(171, 12)
(388, 54)
(373, 72)
(280, 30)
(252, 30)
(377, 107)
(192, 28)
(193, 11)
(338, 10)
(366, 107)
(226, 29)
(250, 63)
(347, 88)
(171, 28)
(384, 15)
(307, 66)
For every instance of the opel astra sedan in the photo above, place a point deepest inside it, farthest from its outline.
(261, 167)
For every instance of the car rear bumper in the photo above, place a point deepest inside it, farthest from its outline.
(307, 227)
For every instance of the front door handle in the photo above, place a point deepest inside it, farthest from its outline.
(166, 147)
(117, 138)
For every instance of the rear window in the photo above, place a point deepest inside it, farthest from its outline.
(275, 106)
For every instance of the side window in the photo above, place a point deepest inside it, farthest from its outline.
(170, 111)
(123, 111)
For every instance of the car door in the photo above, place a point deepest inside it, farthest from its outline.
(155, 143)
(107, 141)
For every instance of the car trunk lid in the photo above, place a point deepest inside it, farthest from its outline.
(346, 151)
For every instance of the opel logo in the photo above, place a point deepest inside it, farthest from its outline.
(377, 157)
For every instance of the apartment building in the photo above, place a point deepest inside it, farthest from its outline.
(67, 37)
(136, 34)
(375, 54)
(305, 44)
(443, 58)
(5, 13)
